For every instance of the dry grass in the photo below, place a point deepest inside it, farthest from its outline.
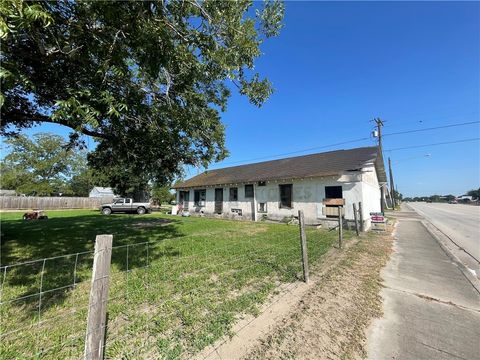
(330, 321)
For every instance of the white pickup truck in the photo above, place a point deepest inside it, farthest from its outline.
(125, 205)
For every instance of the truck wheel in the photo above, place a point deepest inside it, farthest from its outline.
(141, 211)
(106, 211)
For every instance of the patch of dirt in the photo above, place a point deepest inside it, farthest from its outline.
(324, 319)
(330, 320)
(150, 223)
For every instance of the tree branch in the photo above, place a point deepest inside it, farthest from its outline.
(15, 118)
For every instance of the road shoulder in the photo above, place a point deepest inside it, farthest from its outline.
(329, 322)
(430, 309)
(467, 260)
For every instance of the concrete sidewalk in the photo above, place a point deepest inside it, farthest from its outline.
(431, 310)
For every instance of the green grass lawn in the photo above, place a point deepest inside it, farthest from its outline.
(179, 285)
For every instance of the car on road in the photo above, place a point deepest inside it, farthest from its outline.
(125, 205)
(453, 201)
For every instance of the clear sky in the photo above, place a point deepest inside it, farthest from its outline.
(337, 65)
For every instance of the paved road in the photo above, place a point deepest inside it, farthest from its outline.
(459, 222)
(431, 310)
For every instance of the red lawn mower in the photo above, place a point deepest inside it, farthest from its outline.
(35, 215)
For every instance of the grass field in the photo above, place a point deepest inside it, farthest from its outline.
(178, 290)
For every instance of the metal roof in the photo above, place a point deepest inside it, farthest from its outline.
(298, 167)
(105, 190)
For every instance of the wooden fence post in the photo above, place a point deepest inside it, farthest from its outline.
(97, 307)
(360, 212)
(355, 217)
(340, 226)
(303, 245)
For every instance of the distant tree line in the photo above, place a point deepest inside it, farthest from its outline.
(475, 194)
(46, 165)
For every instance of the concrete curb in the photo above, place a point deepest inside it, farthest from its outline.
(472, 279)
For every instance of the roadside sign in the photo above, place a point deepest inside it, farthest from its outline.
(378, 221)
(377, 217)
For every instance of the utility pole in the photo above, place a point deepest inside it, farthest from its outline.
(379, 124)
(392, 187)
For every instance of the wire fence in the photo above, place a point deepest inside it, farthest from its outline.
(167, 299)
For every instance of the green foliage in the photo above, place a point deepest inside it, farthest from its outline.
(475, 194)
(45, 165)
(38, 166)
(147, 79)
(84, 178)
(398, 196)
(18, 15)
(162, 194)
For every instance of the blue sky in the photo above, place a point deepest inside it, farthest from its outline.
(337, 65)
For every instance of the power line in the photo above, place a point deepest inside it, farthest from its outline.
(421, 122)
(347, 142)
(432, 128)
(435, 112)
(435, 144)
(410, 158)
(299, 151)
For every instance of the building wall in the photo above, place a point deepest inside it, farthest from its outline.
(307, 195)
(370, 193)
(243, 204)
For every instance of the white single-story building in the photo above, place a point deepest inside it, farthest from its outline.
(98, 191)
(277, 189)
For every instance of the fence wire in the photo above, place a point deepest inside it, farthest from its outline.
(167, 299)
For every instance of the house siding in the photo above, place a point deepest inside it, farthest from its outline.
(307, 195)
(370, 194)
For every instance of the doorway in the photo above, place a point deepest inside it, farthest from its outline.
(184, 198)
(333, 192)
(218, 200)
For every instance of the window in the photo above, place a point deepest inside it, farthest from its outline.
(286, 196)
(261, 183)
(199, 197)
(333, 192)
(262, 207)
(233, 194)
(249, 191)
(119, 201)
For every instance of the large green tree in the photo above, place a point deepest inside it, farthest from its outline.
(161, 194)
(147, 79)
(475, 194)
(84, 178)
(41, 165)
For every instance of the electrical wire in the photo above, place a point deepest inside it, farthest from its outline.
(431, 128)
(349, 142)
(299, 151)
(352, 141)
(434, 144)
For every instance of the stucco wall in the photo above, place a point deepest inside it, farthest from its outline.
(244, 204)
(308, 196)
(370, 193)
